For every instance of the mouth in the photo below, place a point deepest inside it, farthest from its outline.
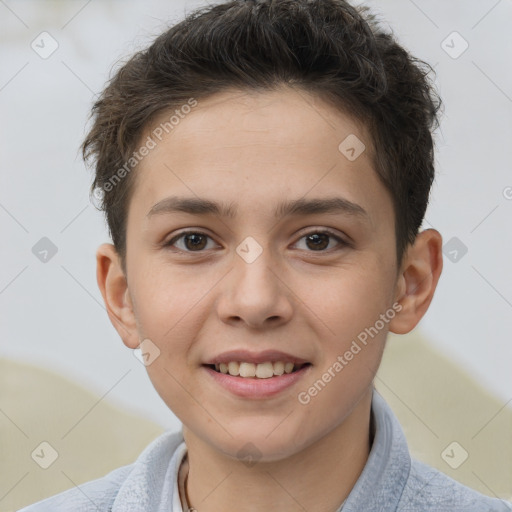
(265, 370)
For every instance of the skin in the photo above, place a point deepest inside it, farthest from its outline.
(254, 150)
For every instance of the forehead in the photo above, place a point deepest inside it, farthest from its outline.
(259, 146)
(287, 118)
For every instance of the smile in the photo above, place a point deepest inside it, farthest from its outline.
(264, 370)
(247, 384)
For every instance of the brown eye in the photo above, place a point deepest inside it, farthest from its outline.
(319, 241)
(193, 241)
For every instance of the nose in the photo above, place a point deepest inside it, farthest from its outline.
(255, 294)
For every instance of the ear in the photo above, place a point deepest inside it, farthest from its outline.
(116, 295)
(417, 280)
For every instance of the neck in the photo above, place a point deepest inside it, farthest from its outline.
(319, 477)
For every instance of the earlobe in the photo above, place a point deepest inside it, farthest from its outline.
(114, 289)
(418, 280)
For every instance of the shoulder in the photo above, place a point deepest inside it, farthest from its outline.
(101, 495)
(430, 490)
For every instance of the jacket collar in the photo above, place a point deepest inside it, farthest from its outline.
(385, 474)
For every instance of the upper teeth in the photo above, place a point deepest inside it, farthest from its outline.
(260, 370)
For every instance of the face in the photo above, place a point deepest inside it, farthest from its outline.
(258, 276)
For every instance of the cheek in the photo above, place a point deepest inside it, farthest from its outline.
(349, 302)
(162, 300)
(169, 311)
(186, 401)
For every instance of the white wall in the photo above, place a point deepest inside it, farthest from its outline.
(53, 314)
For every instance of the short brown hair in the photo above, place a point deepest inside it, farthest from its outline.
(326, 47)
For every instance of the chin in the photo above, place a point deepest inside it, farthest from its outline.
(258, 445)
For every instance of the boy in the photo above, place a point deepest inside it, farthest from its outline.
(293, 139)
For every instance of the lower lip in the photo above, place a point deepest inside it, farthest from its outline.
(248, 387)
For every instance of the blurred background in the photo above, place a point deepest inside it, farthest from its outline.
(55, 58)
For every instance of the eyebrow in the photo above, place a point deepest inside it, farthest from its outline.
(198, 206)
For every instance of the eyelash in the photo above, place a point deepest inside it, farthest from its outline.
(331, 234)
